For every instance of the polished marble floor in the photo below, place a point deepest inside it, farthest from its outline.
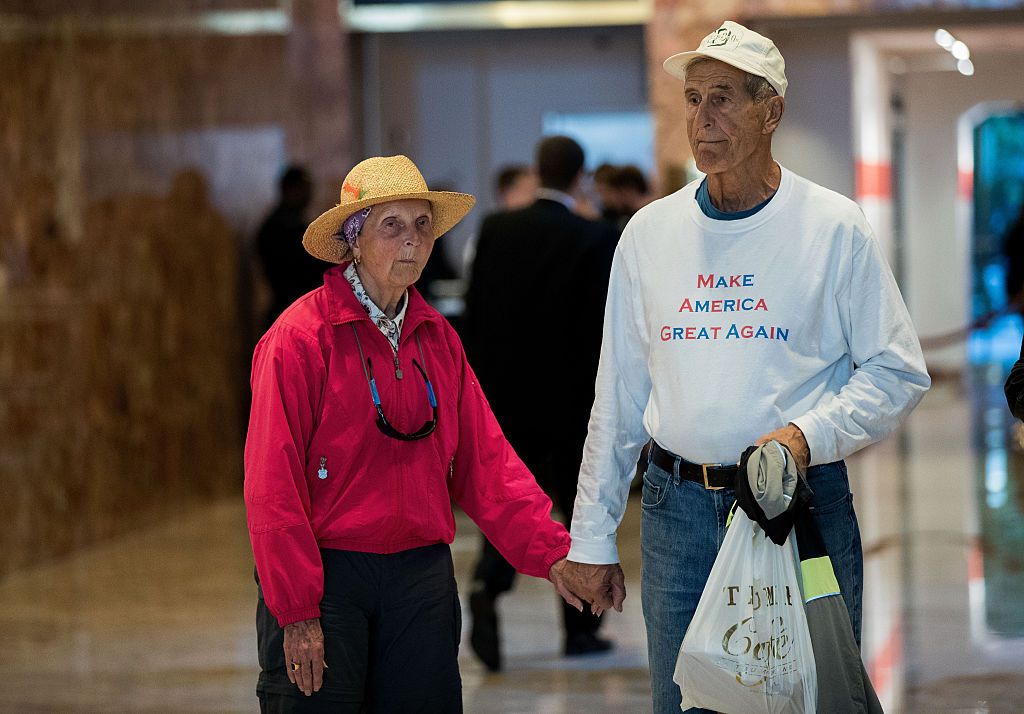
(161, 621)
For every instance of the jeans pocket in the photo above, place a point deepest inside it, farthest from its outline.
(656, 486)
(836, 503)
(831, 487)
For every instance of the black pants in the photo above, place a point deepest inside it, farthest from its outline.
(557, 471)
(391, 626)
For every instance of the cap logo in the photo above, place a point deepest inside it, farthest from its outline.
(718, 38)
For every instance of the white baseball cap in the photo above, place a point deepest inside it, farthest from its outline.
(740, 47)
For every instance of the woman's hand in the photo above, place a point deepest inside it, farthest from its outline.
(557, 576)
(304, 646)
(603, 586)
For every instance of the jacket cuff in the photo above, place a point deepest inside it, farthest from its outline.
(293, 616)
(595, 553)
(553, 557)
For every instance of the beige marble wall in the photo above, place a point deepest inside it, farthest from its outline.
(128, 149)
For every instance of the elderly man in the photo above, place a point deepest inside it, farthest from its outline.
(752, 305)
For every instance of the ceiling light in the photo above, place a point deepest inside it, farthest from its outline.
(943, 39)
(965, 67)
(959, 50)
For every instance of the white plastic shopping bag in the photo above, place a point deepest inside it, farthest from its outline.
(748, 648)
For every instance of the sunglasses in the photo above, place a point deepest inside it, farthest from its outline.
(382, 421)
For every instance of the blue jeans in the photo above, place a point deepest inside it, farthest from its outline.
(681, 530)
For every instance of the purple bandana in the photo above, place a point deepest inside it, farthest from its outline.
(353, 225)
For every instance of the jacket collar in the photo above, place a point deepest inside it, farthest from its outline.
(343, 306)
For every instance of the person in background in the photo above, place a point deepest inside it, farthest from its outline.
(750, 306)
(632, 192)
(533, 266)
(516, 187)
(290, 271)
(607, 194)
(1013, 249)
(367, 422)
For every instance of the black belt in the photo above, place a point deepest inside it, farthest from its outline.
(711, 476)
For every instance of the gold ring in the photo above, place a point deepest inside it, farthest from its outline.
(296, 666)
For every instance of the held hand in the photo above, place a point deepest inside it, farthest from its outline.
(304, 646)
(557, 577)
(603, 586)
(793, 439)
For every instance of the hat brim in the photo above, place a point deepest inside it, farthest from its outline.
(321, 239)
(676, 65)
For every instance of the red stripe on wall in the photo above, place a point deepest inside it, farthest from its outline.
(965, 185)
(975, 561)
(874, 180)
(886, 659)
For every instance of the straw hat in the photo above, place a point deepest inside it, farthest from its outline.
(378, 180)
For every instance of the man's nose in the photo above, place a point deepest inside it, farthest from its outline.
(703, 116)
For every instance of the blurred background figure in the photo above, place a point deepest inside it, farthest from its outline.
(631, 192)
(606, 193)
(623, 190)
(290, 271)
(1013, 250)
(531, 265)
(516, 186)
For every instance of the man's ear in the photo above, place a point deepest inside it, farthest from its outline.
(774, 108)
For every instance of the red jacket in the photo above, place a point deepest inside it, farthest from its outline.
(311, 401)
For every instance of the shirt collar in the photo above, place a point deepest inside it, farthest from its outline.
(559, 196)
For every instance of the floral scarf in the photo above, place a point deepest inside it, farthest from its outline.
(392, 329)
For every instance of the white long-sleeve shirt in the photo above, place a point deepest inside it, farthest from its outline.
(717, 332)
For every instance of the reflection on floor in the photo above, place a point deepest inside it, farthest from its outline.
(162, 621)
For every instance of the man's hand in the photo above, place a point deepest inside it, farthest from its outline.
(793, 439)
(603, 586)
(304, 646)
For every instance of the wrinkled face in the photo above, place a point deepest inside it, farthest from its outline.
(395, 242)
(723, 123)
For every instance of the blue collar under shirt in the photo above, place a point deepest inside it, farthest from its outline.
(709, 210)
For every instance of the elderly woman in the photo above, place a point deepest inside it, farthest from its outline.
(366, 423)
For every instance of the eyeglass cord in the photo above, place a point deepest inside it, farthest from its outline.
(373, 382)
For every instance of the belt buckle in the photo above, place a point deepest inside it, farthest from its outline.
(704, 470)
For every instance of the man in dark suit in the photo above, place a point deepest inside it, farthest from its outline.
(534, 314)
(291, 272)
